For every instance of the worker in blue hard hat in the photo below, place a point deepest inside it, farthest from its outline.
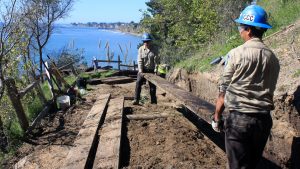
(246, 91)
(148, 61)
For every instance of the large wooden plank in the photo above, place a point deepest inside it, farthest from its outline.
(109, 61)
(197, 105)
(78, 155)
(111, 80)
(150, 116)
(108, 151)
(117, 79)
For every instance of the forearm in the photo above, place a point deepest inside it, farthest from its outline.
(140, 64)
(219, 106)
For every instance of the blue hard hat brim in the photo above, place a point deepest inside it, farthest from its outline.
(144, 40)
(261, 25)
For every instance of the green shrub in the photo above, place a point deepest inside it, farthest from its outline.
(282, 13)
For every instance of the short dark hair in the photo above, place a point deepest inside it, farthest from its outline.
(257, 31)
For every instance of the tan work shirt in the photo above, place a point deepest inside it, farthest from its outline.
(147, 59)
(250, 78)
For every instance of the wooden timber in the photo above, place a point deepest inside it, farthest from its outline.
(197, 105)
(149, 116)
(108, 61)
(108, 151)
(79, 153)
(66, 66)
(111, 80)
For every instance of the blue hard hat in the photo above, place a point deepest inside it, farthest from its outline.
(146, 37)
(254, 15)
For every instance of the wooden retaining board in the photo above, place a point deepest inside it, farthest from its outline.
(78, 155)
(111, 80)
(108, 151)
(197, 105)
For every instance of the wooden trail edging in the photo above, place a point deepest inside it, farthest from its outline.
(98, 143)
(110, 80)
(197, 105)
(108, 150)
(78, 155)
(149, 116)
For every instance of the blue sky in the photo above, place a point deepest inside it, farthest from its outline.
(106, 11)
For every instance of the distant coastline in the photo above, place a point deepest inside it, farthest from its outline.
(131, 28)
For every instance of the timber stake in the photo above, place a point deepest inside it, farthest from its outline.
(15, 99)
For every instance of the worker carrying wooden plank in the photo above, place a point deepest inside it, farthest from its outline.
(148, 61)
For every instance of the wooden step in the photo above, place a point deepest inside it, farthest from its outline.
(108, 151)
(78, 155)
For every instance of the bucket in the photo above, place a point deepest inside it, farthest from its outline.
(63, 102)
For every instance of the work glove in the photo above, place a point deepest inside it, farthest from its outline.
(217, 125)
(141, 74)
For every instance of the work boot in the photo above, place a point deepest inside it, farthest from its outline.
(135, 102)
(154, 102)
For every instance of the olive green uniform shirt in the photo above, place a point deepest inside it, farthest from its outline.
(147, 59)
(250, 78)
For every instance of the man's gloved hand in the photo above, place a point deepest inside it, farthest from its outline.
(217, 125)
(141, 74)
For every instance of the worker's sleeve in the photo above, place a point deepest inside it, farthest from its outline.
(227, 74)
(140, 60)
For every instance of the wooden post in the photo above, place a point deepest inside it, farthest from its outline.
(73, 70)
(15, 99)
(119, 62)
(134, 65)
(95, 63)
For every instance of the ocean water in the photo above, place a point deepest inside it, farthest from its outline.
(93, 42)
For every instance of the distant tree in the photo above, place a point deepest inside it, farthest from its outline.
(67, 55)
(40, 20)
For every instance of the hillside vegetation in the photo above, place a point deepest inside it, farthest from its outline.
(191, 33)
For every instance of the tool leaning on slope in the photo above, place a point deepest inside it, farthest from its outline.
(247, 88)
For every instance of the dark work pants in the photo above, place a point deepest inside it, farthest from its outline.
(245, 138)
(139, 82)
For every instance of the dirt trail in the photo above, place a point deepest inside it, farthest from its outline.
(172, 142)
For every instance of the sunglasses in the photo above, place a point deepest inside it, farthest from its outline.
(242, 27)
